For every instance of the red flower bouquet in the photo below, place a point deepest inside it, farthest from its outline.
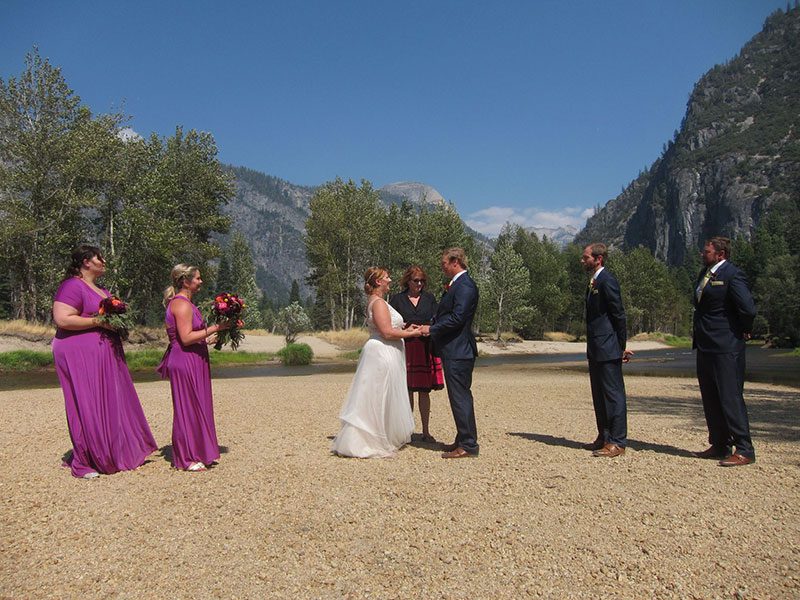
(115, 312)
(228, 307)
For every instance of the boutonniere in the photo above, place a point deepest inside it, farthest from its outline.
(593, 287)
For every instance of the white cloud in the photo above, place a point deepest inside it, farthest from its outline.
(127, 134)
(489, 221)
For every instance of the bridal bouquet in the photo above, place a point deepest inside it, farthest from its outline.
(115, 312)
(228, 307)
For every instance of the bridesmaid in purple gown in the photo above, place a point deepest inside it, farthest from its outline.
(106, 423)
(194, 436)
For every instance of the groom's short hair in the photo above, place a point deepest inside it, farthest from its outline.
(456, 254)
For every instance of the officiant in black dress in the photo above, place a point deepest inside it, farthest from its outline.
(424, 371)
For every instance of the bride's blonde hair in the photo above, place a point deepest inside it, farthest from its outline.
(371, 278)
(180, 273)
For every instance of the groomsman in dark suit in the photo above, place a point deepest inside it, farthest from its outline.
(723, 319)
(453, 341)
(606, 336)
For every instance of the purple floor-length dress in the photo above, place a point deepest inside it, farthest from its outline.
(106, 423)
(194, 437)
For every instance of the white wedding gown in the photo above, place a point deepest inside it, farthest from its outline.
(376, 416)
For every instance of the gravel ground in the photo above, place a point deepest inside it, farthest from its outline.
(533, 516)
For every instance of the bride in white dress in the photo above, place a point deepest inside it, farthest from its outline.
(376, 416)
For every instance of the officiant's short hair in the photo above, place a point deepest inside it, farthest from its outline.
(456, 254)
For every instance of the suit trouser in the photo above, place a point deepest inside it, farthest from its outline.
(458, 377)
(721, 379)
(608, 397)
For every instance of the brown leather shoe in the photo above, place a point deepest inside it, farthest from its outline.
(713, 452)
(609, 451)
(458, 453)
(449, 447)
(736, 460)
(595, 445)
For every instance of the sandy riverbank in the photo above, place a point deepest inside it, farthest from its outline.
(533, 516)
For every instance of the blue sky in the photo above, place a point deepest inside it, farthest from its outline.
(530, 111)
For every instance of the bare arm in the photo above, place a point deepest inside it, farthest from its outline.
(67, 317)
(183, 325)
(383, 323)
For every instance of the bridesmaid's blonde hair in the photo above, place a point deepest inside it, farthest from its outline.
(180, 273)
(371, 278)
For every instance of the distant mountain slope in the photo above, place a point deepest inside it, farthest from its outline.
(271, 213)
(737, 152)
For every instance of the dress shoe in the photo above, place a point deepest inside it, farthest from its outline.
(595, 445)
(458, 453)
(609, 451)
(713, 452)
(449, 447)
(736, 460)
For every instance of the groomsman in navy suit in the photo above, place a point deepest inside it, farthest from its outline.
(453, 341)
(723, 319)
(606, 336)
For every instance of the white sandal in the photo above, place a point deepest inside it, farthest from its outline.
(91, 475)
(196, 467)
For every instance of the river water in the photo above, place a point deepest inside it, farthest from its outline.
(763, 365)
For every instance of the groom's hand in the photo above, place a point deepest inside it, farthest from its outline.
(426, 329)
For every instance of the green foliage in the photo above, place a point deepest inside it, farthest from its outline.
(350, 229)
(296, 354)
(142, 360)
(652, 299)
(237, 275)
(342, 240)
(294, 293)
(507, 289)
(25, 360)
(67, 176)
(678, 341)
(242, 357)
(291, 321)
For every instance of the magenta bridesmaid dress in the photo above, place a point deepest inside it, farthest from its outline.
(194, 436)
(106, 423)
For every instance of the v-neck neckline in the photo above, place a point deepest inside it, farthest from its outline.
(94, 291)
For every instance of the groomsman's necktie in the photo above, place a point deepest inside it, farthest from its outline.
(703, 283)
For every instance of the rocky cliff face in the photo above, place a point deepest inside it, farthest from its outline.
(271, 213)
(737, 153)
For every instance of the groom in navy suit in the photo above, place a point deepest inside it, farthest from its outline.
(723, 319)
(606, 336)
(453, 341)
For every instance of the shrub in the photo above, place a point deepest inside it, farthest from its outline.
(296, 354)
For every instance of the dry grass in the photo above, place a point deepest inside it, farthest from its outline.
(345, 339)
(27, 330)
(558, 336)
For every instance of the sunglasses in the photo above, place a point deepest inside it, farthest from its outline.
(418, 281)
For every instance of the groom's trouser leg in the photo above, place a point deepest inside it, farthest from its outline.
(458, 377)
(598, 401)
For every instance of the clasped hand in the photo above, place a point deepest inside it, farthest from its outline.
(418, 330)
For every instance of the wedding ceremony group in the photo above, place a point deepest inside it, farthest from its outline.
(417, 344)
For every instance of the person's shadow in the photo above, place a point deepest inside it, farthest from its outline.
(637, 445)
